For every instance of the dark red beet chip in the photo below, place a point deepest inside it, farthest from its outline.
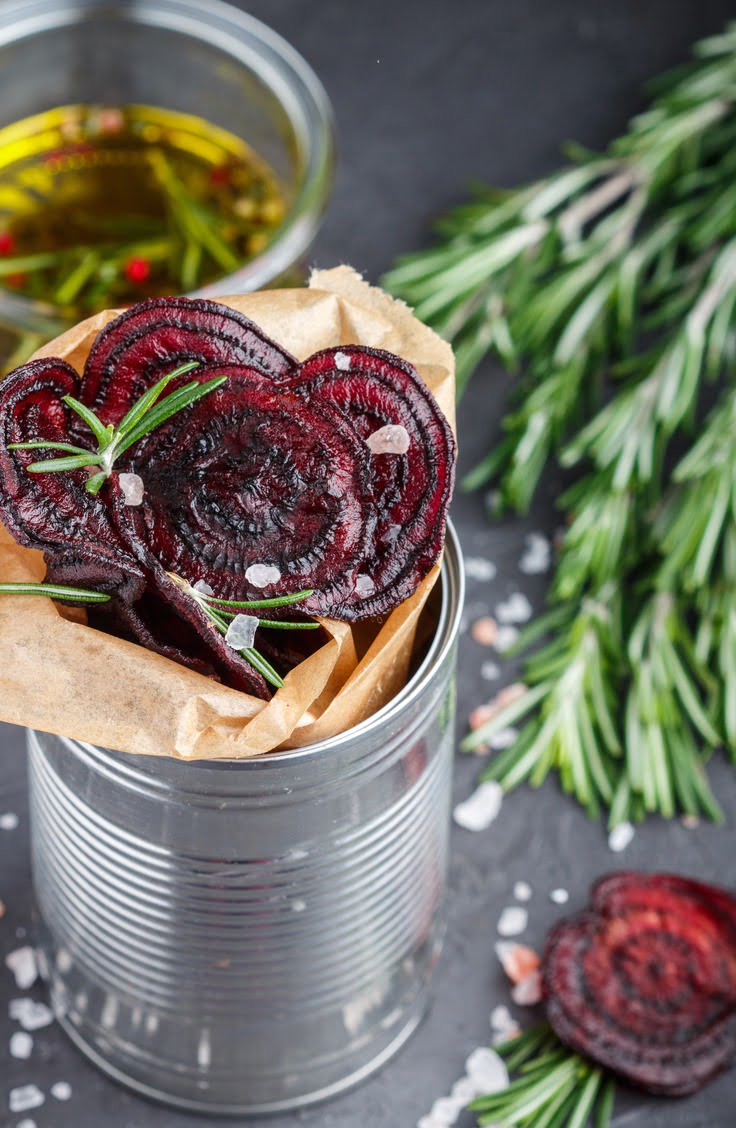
(412, 489)
(154, 337)
(45, 511)
(253, 475)
(644, 982)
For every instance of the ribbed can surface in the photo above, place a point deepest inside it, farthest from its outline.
(250, 936)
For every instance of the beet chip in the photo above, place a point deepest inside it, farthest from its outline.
(332, 475)
(644, 981)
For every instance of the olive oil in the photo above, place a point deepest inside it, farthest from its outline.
(103, 206)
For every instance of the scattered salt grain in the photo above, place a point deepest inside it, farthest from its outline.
(513, 920)
(504, 738)
(522, 891)
(342, 361)
(445, 1111)
(559, 896)
(483, 806)
(364, 586)
(8, 821)
(490, 671)
(517, 960)
(21, 1045)
(241, 633)
(298, 906)
(478, 568)
(485, 631)
(528, 992)
(132, 487)
(262, 575)
(26, 1124)
(391, 439)
(30, 1014)
(501, 1019)
(463, 1091)
(62, 1091)
(22, 963)
(620, 837)
(487, 1071)
(515, 609)
(203, 588)
(506, 636)
(25, 1098)
(537, 554)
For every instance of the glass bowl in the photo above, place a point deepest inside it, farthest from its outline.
(202, 58)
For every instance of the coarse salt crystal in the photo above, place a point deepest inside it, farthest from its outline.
(504, 738)
(464, 1091)
(61, 1090)
(391, 534)
(490, 671)
(515, 609)
(522, 891)
(478, 568)
(30, 1014)
(8, 821)
(25, 1098)
(501, 1019)
(483, 806)
(26, 1124)
(528, 991)
(485, 631)
(22, 963)
(262, 575)
(559, 896)
(342, 361)
(21, 1045)
(445, 1111)
(512, 921)
(241, 633)
(690, 822)
(364, 586)
(537, 554)
(391, 439)
(517, 960)
(506, 636)
(132, 487)
(487, 1071)
(620, 837)
(203, 588)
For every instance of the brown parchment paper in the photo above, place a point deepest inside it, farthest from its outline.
(61, 676)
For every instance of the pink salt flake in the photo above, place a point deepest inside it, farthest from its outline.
(391, 439)
(485, 631)
(517, 960)
(528, 992)
(364, 586)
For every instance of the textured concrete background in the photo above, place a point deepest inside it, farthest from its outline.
(430, 95)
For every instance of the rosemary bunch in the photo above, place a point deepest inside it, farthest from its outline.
(611, 286)
(554, 1087)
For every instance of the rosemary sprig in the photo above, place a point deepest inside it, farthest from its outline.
(611, 286)
(146, 414)
(222, 612)
(56, 591)
(554, 1087)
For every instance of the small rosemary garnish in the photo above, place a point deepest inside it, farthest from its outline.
(554, 1086)
(145, 415)
(55, 591)
(222, 612)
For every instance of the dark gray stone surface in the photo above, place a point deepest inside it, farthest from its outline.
(428, 96)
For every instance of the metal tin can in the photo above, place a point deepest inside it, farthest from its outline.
(250, 936)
